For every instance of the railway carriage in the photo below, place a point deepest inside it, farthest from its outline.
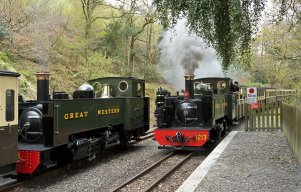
(8, 123)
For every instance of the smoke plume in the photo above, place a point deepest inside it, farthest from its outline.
(185, 53)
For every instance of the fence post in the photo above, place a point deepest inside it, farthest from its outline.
(281, 116)
(246, 117)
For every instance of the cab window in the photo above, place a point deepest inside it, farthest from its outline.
(10, 105)
(140, 89)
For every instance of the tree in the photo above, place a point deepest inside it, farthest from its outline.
(4, 33)
(18, 14)
(138, 15)
(276, 55)
(226, 25)
(287, 11)
(89, 7)
(131, 38)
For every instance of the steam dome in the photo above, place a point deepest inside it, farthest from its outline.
(86, 87)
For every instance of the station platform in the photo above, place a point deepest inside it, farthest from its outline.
(247, 161)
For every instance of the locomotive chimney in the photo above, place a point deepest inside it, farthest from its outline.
(42, 86)
(189, 84)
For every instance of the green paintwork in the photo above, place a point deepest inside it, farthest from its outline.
(223, 100)
(126, 111)
(115, 82)
(219, 106)
(232, 105)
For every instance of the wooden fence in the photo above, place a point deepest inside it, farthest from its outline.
(291, 123)
(266, 118)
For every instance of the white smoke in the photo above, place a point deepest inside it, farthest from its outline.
(185, 53)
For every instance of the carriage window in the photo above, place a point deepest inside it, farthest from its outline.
(10, 105)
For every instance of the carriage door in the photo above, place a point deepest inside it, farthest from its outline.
(8, 120)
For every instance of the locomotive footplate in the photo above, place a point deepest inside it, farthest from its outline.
(183, 148)
(31, 156)
(180, 138)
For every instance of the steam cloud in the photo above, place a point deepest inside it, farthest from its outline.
(185, 53)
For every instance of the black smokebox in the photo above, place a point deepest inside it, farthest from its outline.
(43, 86)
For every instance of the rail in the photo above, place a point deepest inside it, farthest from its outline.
(152, 167)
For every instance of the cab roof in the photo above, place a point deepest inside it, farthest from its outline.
(9, 73)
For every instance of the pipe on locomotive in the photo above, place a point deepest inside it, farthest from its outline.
(189, 84)
(43, 86)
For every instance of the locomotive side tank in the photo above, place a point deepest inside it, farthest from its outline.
(103, 112)
(197, 117)
(8, 123)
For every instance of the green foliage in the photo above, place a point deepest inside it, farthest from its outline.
(226, 25)
(5, 63)
(29, 75)
(276, 56)
(23, 85)
(4, 57)
(112, 42)
(98, 66)
(254, 84)
(149, 73)
(295, 99)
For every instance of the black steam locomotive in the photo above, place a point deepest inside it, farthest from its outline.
(58, 129)
(200, 116)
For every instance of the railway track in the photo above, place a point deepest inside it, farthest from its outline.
(38, 178)
(149, 134)
(10, 187)
(173, 165)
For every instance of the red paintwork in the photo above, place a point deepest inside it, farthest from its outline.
(196, 141)
(28, 161)
(186, 94)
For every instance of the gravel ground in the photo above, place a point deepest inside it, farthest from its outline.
(254, 161)
(147, 179)
(174, 181)
(104, 174)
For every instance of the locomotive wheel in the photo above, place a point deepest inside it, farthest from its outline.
(124, 142)
(102, 148)
(225, 129)
(218, 135)
(218, 138)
